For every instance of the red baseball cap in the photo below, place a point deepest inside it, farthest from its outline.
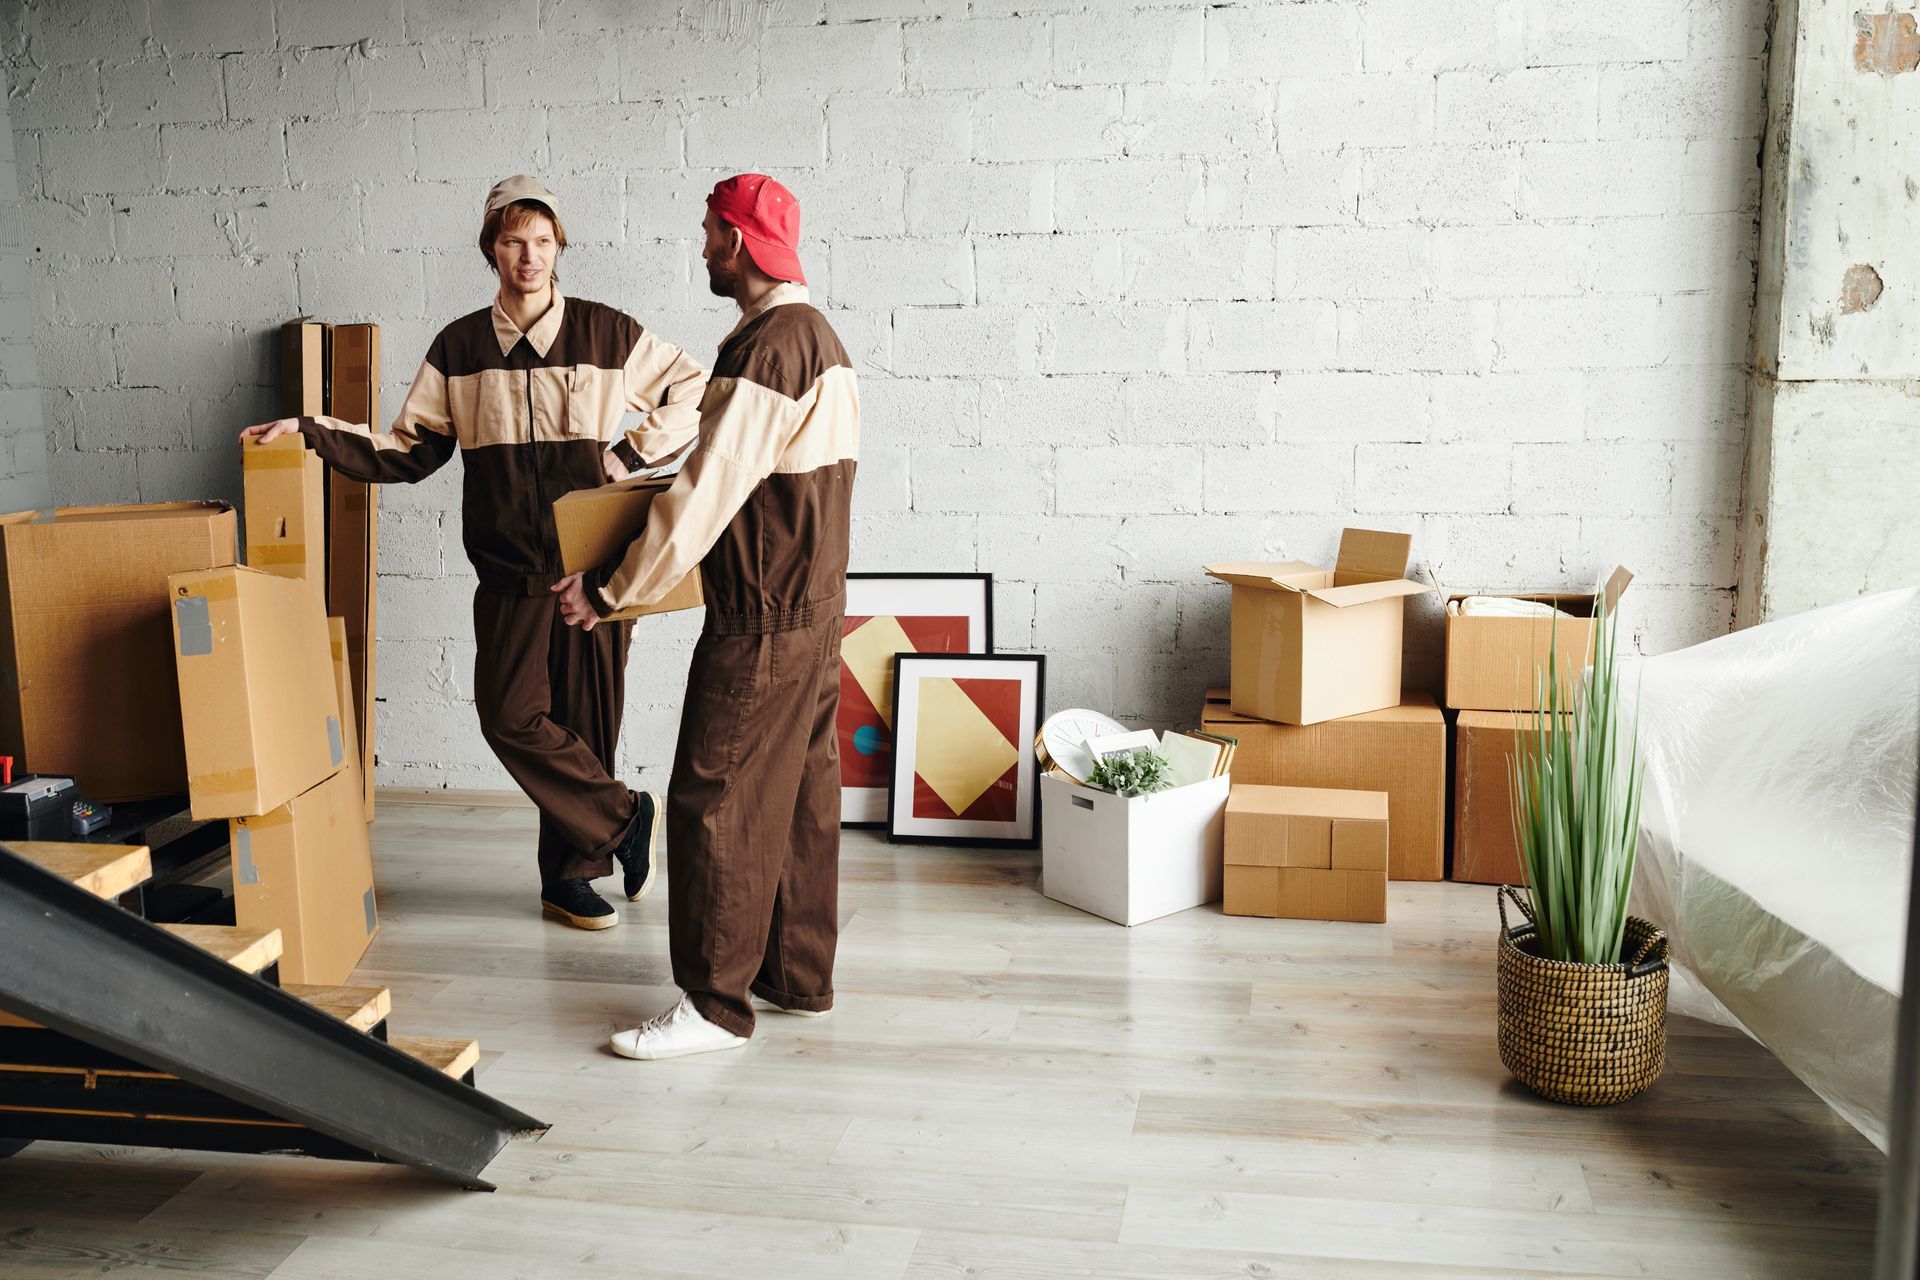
(768, 219)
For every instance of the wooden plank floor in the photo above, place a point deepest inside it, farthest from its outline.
(1008, 1088)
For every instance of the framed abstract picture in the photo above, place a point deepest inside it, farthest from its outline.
(964, 767)
(889, 614)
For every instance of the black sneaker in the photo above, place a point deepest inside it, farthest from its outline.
(575, 902)
(642, 841)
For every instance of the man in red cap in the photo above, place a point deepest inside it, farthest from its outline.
(536, 391)
(762, 506)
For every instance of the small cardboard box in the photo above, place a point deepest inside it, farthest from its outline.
(1313, 644)
(1131, 859)
(1401, 750)
(257, 700)
(1306, 853)
(1485, 850)
(286, 511)
(597, 525)
(306, 869)
(1499, 664)
(86, 663)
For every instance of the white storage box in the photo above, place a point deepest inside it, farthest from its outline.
(1135, 859)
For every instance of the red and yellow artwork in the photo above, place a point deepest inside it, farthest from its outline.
(867, 651)
(966, 762)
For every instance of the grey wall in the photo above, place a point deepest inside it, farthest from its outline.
(24, 483)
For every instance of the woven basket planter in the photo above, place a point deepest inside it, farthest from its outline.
(1585, 1034)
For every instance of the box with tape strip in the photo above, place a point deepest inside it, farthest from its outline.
(306, 868)
(257, 699)
(286, 511)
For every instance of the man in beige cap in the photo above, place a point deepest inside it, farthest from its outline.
(533, 390)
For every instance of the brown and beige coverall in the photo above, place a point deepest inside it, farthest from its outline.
(762, 506)
(532, 413)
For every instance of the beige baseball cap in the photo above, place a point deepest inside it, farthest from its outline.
(520, 187)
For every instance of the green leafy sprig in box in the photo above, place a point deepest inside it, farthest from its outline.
(1139, 772)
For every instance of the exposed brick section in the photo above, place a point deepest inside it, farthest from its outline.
(1130, 285)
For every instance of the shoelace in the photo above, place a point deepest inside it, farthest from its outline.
(661, 1021)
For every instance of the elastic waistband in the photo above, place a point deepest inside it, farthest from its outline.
(769, 621)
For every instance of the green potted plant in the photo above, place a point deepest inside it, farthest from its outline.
(1583, 984)
(1139, 772)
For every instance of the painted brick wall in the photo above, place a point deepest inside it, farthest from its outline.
(1130, 286)
(24, 482)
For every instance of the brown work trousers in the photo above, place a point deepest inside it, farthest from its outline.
(753, 822)
(550, 698)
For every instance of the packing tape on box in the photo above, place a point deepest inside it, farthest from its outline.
(367, 902)
(257, 458)
(276, 553)
(223, 782)
(224, 587)
(193, 623)
(335, 743)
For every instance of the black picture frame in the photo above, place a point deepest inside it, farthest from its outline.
(1028, 756)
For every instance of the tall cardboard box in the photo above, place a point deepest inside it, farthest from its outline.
(1313, 644)
(286, 511)
(597, 525)
(1401, 750)
(261, 718)
(1485, 849)
(353, 509)
(1305, 853)
(1131, 859)
(306, 869)
(1500, 664)
(86, 659)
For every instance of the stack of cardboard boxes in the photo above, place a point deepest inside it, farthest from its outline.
(1340, 776)
(1496, 668)
(271, 722)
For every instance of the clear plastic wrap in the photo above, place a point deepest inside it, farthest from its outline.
(1776, 835)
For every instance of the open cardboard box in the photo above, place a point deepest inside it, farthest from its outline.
(1500, 664)
(1131, 859)
(1313, 644)
(597, 525)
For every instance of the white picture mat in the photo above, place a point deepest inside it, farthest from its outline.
(1021, 827)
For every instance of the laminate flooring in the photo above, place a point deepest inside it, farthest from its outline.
(1007, 1088)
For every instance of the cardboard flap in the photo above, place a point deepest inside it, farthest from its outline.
(1371, 555)
(1616, 584)
(1367, 592)
(1246, 573)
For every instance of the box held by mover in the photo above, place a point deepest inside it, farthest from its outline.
(261, 719)
(1306, 853)
(86, 658)
(1401, 750)
(596, 526)
(286, 511)
(1313, 644)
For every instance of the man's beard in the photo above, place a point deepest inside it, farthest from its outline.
(720, 280)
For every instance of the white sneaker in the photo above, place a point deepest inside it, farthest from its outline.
(674, 1034)
(771, 1007)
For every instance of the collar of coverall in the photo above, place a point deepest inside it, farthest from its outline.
(780, 295)
(540, 337)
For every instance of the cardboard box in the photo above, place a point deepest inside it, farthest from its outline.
(303, 368)
(306, 869)
(86, 659)
(1500, 664)
(1131, 859)
(1306, 853)
(353, 525)
(1313, 644)
(1401, 751)
(286, 511)
(596, 526)
(1485, 850)
(261, 718)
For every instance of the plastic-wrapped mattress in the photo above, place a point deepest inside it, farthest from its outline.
(1776, 835)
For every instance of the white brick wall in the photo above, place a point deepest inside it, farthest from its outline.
(1131, 285)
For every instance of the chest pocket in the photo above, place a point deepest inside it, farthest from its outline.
(594, 401)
